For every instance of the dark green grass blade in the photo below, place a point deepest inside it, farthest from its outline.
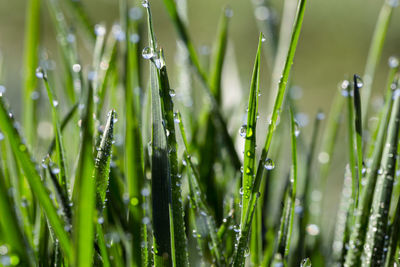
(60, 154)
(179, 238)
(358, 233)
(242, 243)
(102, 163)
(375, 52)
(29, 167)
(377, 228)
(32, 34)
(12, 233)
(358, 131)
(198, 203)
(84, 190)
(134, 162)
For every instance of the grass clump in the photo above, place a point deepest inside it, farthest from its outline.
(156, 182)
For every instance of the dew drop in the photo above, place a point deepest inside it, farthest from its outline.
(269, 164)
(242, 130)
(100, 220)
(2, 90)
(320, 116)
(55, 103)
(249, 132)
(99, 30)
(393, 62)
(312, 229)
(40, 73)
(359, 81)
(76, 68)
(176, 118)
(145, 3)
(263, 39)
(296, 129)
(148, 53)
(241, 191)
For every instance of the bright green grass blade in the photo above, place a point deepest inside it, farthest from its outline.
(199, 205)
(31, 58)
(358, 131)
(134, 162)
(375, 52)
(242, 243)
(250, 152)
(181, 253)
(12, 233)
(218, 119)
(102, 163)
(358, 232)
(57, 129)
(34, 179)
(374, 253)
(249, 133)
(102, 246)
(84, 190)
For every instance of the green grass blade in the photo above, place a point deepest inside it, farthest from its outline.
(181, 253)
(134, 162)
(242, 243)
(78, 11)
(358, 233)
(21, 152)
(375, 52)
(306, 263)
(84, 190)
(102, 163)
(199, 205)
(250, 134)
(57, 129)
(394, 237)
(12, 233)
(358, 131)
(377, 228)
(31, 58)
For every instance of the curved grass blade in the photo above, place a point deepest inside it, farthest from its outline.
(375, 52)
(394, 237)
(242, 243)
(84, 190)
(58, 138)
(29, 167)
(363, 213)
(377, 228)
(32, 33)
(102, 163)
(199, 205)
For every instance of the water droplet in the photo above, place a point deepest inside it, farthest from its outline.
(261, 12)
(134, 201)
(312, 229)
(167, 133)
(241, 169)
(323, 157)
(242, 130)
(296, 129)
(55, 103)
(135, 13)
(248, 153)
(172, 92)
(40, 73)
(100, 220)
(393, 62)
(176, 118)
(359, 81)
(2, 90)
(148, 53)
(263, 39)
(76, 68)
(55, 170)
(241, 191)
(1, 136)
(134, 38)
(145, 3)
(393, 3)
(320, 116)
(249, 132)
(248, 171)
(269, 164)
(99, 30)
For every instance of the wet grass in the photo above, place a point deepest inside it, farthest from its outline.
(148, 177)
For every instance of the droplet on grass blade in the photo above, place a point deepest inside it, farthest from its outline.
(147, 52)
(359, 81)
(99, 30)
(296, 129)
(263, 39)
(40, 73)
(172, 92)
(145, 3)
(242, 130)
(76, 68)
(269, 164)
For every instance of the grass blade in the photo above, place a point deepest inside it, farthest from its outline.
(102, 163)
(358, 129)
(377, 228)
(242, 243)
(394, 238)
(32, 34)
(29, 167)
(358, 233)
(84, 190)
(375, 52)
